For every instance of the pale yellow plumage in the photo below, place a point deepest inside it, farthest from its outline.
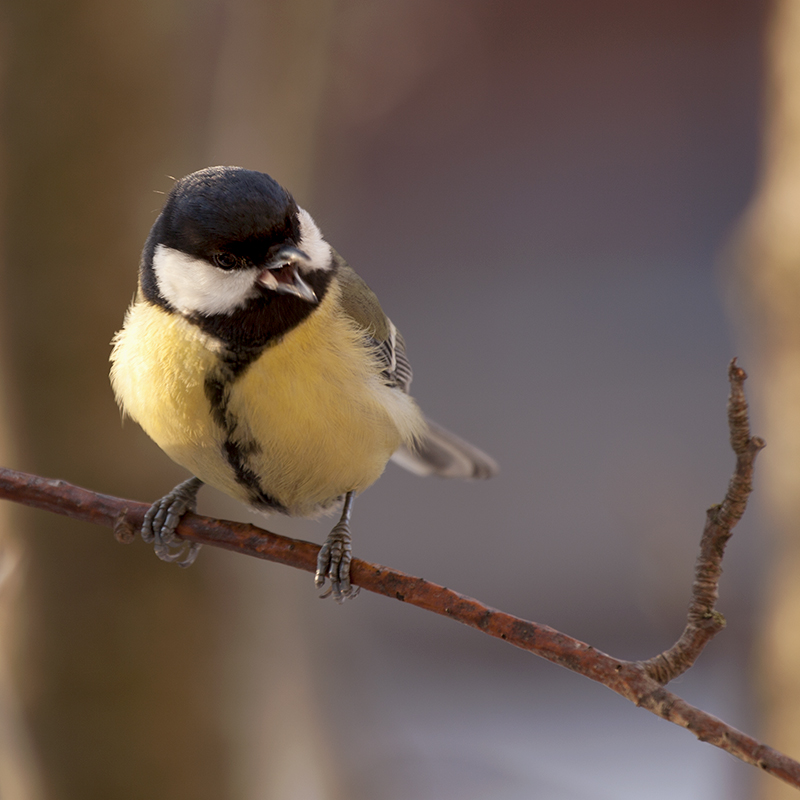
(315, 402)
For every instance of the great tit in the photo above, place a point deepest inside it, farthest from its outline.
(257, 359)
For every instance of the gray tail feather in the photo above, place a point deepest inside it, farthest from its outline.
(442, 453)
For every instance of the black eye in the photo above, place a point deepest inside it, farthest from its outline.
(225, 261)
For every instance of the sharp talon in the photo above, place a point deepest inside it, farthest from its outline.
(164, 516)
(191, 555)
(184, 556)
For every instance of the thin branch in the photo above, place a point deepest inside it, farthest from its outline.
(704, 621)
(639, 682)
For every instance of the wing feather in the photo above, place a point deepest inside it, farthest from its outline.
(437, 451)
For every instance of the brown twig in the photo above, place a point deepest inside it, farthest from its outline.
(703, 620)
(639, 682)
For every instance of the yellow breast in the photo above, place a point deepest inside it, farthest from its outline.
(311, 415)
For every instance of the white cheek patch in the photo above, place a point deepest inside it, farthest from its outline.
(192, 285)
(312, 243)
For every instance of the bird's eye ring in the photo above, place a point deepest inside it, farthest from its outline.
(226, 261)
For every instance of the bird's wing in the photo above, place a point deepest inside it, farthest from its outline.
(361, 305)
(437, 451)
(397, 371)
(440, 452)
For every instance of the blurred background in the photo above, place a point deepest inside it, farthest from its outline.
(577, 213)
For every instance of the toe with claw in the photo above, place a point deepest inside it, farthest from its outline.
(162, 519)
(333, 562)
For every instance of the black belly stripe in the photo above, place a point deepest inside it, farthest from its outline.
(236, 448)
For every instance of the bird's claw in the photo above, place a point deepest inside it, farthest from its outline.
(333, 561)
(163, 518)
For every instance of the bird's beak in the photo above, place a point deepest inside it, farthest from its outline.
(283, 276)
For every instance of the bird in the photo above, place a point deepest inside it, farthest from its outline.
(257, 359)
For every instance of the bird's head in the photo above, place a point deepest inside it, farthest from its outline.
(232, 248)
(227, 235)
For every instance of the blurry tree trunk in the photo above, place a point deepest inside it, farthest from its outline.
(769, 293)
(113, 653)
(19, 769)
(119, 667)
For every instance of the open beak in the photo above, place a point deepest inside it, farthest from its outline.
(284, 277)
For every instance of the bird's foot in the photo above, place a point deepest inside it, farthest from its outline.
(333, 562)
(163, 517)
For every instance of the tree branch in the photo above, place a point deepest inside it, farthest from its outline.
(704, 621)
(640, 682)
